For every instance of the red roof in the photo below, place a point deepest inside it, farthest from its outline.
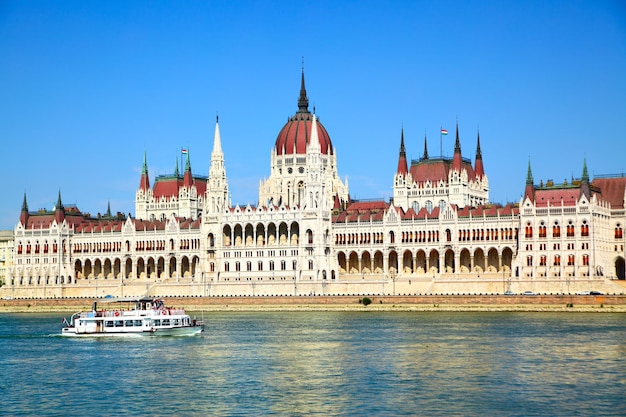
(612, 190)
(170, 186)
(568, 196)
(435, 170)
(296, 135)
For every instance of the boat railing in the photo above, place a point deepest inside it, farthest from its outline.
(125, 313)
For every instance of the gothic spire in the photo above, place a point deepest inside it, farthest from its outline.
(402, 164)
(585, 188)
(24, 213)
(529, 192)
(176, 172)
(479, 168)
(24, 204)
(303, 101)
(529, 175)
(144, 182)
(187, 177)
(457, 161)
(59, 212)
(425, 147)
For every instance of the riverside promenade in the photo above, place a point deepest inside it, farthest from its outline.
(564, 303)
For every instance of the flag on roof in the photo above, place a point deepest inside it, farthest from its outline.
(183, 151)
(444, 132)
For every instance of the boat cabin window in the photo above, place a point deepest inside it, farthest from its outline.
(166, 322)
(157, 322)
(119, 323)
(138, 323)
(176, 322)
(128, 323)
(108, 323)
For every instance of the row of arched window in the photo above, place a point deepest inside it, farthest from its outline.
(571, 260)
(37, 247)
(556, 230)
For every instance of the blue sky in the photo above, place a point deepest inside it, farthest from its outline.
(87, 86)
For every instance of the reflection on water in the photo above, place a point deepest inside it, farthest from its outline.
(324, 363)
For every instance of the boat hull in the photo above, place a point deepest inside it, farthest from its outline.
(174, 331)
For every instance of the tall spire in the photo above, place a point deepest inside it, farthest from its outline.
(109, 208)
(585, 177)
(303, 101)
(402, 164)
(529, 191)
(457, 161)
(425, 147)
(187, 178)
(217, 186)
(217, 140)
(585, 188)
(24, 213)
(176, 172)
(144, 182)
(314, 141)
(59, 211)
(479, 169)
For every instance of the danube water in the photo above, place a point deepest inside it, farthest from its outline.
(326, 364)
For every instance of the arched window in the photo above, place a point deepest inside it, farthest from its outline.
(584, 229)
(429, 206)
(556, 230)
(618, 231)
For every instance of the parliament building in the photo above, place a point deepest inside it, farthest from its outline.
(439, 234)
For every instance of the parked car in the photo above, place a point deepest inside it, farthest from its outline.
(529, 293)
(583, 293)
(595, 293)
(509, 293)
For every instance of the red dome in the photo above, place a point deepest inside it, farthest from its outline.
(295, 135)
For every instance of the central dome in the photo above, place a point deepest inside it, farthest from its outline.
(295, 135)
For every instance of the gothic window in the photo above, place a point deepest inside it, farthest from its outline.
(543, 260)
(416, 206)
(429, 206)
(442, 204)
(557, 260)
(556, 230)
(542, 230)
(586, 260)
(529, 231)
(529, 260)
(618, 231)
(584, 229)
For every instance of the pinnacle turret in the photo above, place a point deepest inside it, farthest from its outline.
(402, 163)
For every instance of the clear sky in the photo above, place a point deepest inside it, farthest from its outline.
(87, 86)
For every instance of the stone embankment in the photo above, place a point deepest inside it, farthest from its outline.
(565, 303)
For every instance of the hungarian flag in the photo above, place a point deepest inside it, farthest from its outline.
(183, 151)
(444, 132)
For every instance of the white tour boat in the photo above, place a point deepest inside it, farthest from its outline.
(146, 317)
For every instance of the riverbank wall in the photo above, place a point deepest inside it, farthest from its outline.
(595, 303)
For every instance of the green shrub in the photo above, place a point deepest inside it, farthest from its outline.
(366, 301)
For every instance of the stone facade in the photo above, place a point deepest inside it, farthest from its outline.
(438, 235)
